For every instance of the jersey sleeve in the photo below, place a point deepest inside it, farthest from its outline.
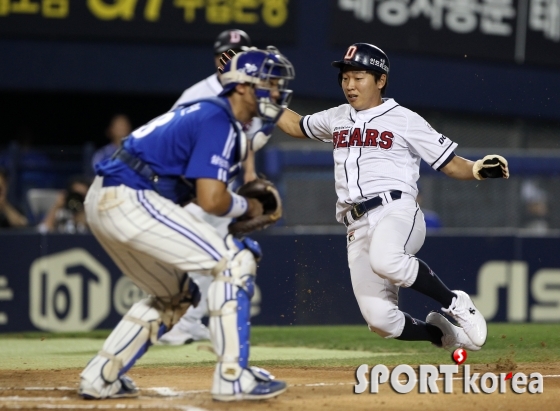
(317, 126)
(433, 147)
(214, 152)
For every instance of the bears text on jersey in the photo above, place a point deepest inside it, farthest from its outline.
(370, 137)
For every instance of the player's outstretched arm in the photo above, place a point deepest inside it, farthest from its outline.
(214, 198)
(459, 168)
(491, 166)
(289, 124)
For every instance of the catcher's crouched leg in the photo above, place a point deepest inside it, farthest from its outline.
(141, 327)
(229, 301)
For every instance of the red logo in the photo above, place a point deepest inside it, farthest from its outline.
(350, 52)
(234, 37)
(370, 138)
(459, 356)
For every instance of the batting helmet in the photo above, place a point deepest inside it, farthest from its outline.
(234, 39)
(258, 67)
(366, 56)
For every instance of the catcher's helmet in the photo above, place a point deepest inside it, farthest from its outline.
(234, 39)
(257, 67)
(366, 56)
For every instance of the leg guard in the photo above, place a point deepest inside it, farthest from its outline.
(130, 339)
(229, 301)
(141, 327)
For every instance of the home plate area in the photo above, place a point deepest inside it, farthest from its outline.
(310, 388)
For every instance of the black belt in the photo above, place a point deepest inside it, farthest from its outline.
(136, 164)
(358, 210)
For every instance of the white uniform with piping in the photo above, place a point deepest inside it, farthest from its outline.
(376, 152)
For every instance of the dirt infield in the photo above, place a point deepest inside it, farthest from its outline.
(187, 389)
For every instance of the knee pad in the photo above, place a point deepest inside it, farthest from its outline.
(229, 303)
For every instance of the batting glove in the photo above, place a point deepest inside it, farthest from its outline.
(491, 166)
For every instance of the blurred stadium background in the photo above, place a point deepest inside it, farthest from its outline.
(485, 74)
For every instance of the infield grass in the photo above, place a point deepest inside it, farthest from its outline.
(297, 346)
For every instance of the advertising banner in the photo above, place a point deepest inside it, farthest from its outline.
(507, 30)
(68, 283)
(187, 21)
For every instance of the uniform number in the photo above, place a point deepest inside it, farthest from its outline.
(156, 122)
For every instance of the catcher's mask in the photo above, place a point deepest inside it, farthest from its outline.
(363, 56)
(259, 67)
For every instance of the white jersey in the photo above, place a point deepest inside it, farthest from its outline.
(211, 87)
(377, 150)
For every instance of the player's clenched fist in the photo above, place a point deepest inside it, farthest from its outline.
(491, 166)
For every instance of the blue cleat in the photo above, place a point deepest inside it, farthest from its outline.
(262, 391)
(253, 384)
(265, 390)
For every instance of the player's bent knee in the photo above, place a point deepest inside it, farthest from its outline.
(387, 263)
(382, 262)
(387, 322)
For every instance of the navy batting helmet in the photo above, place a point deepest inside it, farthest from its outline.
(234, 39)
(365, 56)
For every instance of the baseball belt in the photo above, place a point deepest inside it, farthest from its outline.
(358, 210)
(136, 164)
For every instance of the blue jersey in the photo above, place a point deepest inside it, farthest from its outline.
(201, 140)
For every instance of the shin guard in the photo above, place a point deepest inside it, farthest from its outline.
(142, 325)
(229, 301)
(138, 329)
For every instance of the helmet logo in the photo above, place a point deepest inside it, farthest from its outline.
(350, 52)
(234, 37)
(250, 68)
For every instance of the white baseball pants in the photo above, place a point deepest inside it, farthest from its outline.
(381, 248)
(152, 240)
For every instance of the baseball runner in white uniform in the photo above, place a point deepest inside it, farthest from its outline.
(378, 145)
(135, 210)
(190, 327)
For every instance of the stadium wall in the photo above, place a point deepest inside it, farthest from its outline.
(68, 283)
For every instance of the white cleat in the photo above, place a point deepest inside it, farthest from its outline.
(180, 334)
(462, 309)
(453, 336)
(124, 387)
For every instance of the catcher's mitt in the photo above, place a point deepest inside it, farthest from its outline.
(264, 191)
